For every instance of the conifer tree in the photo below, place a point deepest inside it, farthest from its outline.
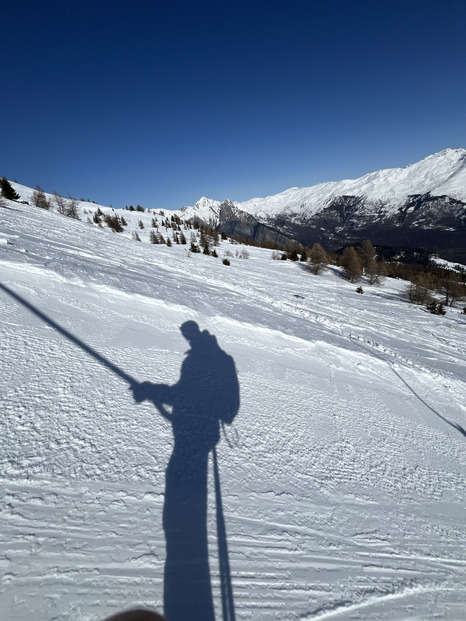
(7, 190)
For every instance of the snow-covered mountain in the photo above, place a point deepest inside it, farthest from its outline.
(341, 488)
(420, 205)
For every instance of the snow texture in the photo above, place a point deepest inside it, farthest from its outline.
(341, 481)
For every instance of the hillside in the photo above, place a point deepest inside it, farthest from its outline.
(341, 478)
(421, 205)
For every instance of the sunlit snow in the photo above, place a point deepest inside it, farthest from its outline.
(341, 478)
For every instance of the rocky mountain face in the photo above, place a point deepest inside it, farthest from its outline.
(233, 221)
(419, 206)
(436, 223)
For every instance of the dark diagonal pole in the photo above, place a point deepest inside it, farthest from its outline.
(228, 608)
(69, 336)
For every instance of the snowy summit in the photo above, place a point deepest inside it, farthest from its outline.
(442, 173)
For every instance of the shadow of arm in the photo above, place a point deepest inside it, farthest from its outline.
(159, 394)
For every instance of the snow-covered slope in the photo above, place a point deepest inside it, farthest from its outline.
(342, 476)
(442, 173)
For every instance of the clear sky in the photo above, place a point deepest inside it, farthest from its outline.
(160, 103)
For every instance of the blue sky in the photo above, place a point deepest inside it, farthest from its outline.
(159, 103)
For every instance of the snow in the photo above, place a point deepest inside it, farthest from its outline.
(342, 476)
(442, 173)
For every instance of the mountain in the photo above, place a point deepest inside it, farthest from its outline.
(340, 490)
(422, 205)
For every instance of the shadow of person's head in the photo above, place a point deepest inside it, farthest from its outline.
(190, 331)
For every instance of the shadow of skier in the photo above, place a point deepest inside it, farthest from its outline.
(206, 395)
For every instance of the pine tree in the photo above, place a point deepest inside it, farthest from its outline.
(7, 190)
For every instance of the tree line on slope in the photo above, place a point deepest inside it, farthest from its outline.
(426, 278)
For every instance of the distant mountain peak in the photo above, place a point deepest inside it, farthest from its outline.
(421, 204)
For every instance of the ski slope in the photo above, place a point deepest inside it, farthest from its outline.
(342, 476)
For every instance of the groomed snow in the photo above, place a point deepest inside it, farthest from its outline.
(342, 476)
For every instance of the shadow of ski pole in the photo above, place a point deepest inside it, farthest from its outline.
(101, 359)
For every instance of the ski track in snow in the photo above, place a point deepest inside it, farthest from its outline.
(343, 485)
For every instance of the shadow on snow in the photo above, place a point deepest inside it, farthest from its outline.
(205, 397)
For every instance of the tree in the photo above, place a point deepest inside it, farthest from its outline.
(60, 202)
(7, 190)
(374, 270)
(67, 207)
(366, 255)
(418, 293)
(452, 288)
(351, 264)
(436, 308)
(114, 223)
(72, 208)
(39, 199)
(317, 259)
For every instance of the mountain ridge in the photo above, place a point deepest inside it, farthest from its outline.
(423, 204)
(365, 185)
